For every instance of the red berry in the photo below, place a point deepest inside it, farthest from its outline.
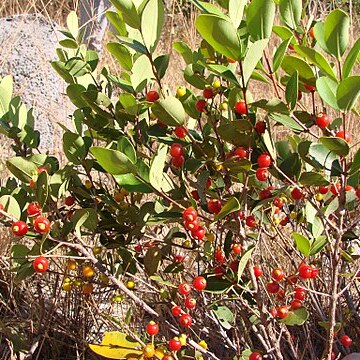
(34, 209)
(190, 303)
(195, 195)
(296, 194)
(280, 296)
(299, 97)
(295, 304)
(278, 274)
(214, 206)
(219, 256)
(199, 233)
(42, 169)
(240, 107)
(272, 287)
(305, 271)
(19, 228)
(358, 192)
(208, 93)
(174, 344)
(343, 135)
(335, 188)
(200, 105)
(41, 264)
(41, 225)
(264, 160)
(260, 127)
(184, 289)
(255, 356)
(323, 189)
(237, 249)
(167, 357)
(208, 183)
(282, 312)
(241, 153)
(178, 162)
(310, 88)
(299, 294)
(312, 33)
(265, 194)
(176, 150)
(292, 279)
(314, 271)
(262, 174)
(69, 201)
(346, 340)
(199, 283)
(219, 271)
(234, 266)
(180, 132)
(273, 312)
(178, 258)
(185, 320)
(258, 271)
(251, 221)
(284, 221)
(192, 225)
(152, 96)
(190, 214)
(152, 328)
(278, 202)
(322, 120)
(176, 310)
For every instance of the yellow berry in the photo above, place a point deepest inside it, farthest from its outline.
(66, 286)
(216, 84)
(182, 339)
(223, 106)
(160, 352)
(88, 184)
(67, 280)
(284, 199)
(210, 237)
(71, 265)
(220, 167)
(78, 283)
(203, 344)
(104, 279)
(276, 221)
(130, 285)
(181, 91)
(187, 243)
(149, 351)
(293, 215)
(88, 271)
(118, 298)
(319, 197)
(97, 250)
(119, 196)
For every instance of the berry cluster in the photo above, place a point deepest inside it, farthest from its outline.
(192, 223)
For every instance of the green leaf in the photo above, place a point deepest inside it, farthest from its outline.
(318, 244)
(170, 111)
(260, 18)
(19, 253)
(73, 24)
(319, 32)
(336, 32)
(236, 11)
(317, 59)
(280, 53)
(327, 90)
(141, 73)
(183, 49)
(132, 184)
(296, 317)
(69, 44)
(74, 92)
(152, 260)
(217, 286)
(230, 206)
(113, 161)
(302, 243)
(290, 11)
(156, 174)
(252, 57)
(86, 218)
(11, 206)
(22, 168)
(77, 67)
(125, 146)
(313, 178)
(351, 59)
(224, 72)
(74, 147)
(224, 315)
(133, 44)
(246, 256)
(122, 55)
(292, 89)
(128, 12)
(355, 166)
(348, 92)
(117, 22)
(337, 145)
(220, 34)
(284, 33)
(6, 90)
(287, 121)
(161, 64)
(152, 21)
(290, 64)
(59, 67)
(42, 188)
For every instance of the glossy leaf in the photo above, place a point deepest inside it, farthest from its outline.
(156, 174)
(22, 168)
(170, 111)
(74, 147)
(141, 73)
(292, 89)
(290, 11)
(290, 64)
(260, 18)
(296, 317)
(230, 206)
(72, 23)
(337, 145)
(152, 21)
(122, 55)
(312, 178)
(128, 12)
(351, 59)
(246, 256)
(280, 53)
(11, 206)
(125, 146)
(348, 93)
(318, 244)
(6, 90)
(327, 90)
(236, 11)
(302, 243)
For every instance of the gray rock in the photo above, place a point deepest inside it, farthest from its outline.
(28, 44)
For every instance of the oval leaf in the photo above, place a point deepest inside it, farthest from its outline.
(170, 111)
(260, 18)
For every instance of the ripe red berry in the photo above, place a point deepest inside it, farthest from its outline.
(199, 233)
(358, 192)
(190, 214)
(41, 264)
(176, 310)
(34, 209)
(310, 88)
(237, 249)
(251, 221)
(152, 328)
(258, 271)
(264, 160)
(152, 96)
(240, 107)
(180, 132)
(69, 201)
(208, 93)
(184, 289)
(234, 266)
(260, 127)
(174, 344)
(19, 228)
(199, 283)
(295, 304)
(262, 174)
(42, 169)
(264, 194)
(278, 274)
(278, 202)
(299, 294)
(219, 256)
(312, 32)
(272, 287)
(41, 225)
(208, 183)
(255, 356)
(200, 105)
(240, 152)
(219, 271)
(322, 120)
(192, 225)
(335, 188)
(214, 206)
(314, 271)
(305, 271)
(343, 135)
(284, 221)
(346, 340)
(296, 194)
(185, 320)
(282, 312)
(176, 150)
(178, 258)
(195, 195)
(323, 189)
(299, 97)
(178, 162)
(190, 303)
